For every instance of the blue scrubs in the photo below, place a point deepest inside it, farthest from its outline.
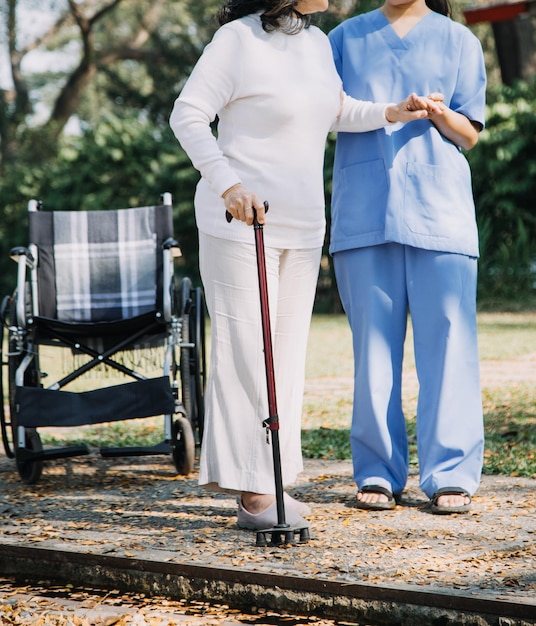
(404, 237)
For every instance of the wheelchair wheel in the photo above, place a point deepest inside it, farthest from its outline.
(197, 329)
(183, 445)
(29, 470)
(5, 425)
(193, 359)
(186, 382)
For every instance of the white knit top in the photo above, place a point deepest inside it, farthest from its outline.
(277, 96)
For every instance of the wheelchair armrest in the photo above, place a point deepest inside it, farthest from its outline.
(21, 251)
(26, 261)
(171, 250)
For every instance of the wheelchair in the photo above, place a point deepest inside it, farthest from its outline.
(101, 287)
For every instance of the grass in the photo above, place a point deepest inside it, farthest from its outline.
(510, 421)
(507, 341)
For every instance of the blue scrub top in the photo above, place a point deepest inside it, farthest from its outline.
(406, 183)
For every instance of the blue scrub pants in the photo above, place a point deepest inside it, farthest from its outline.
(378, 286)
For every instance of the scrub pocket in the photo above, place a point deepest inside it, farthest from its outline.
(360, 195)
(438, 201)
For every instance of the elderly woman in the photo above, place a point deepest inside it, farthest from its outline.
(269, 78)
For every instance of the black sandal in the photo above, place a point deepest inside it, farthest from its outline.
(376, 506)
(447, 510)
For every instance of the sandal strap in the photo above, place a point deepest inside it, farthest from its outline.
(376, 489)
(451, 491)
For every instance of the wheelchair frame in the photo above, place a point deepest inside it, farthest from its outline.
(180, 324)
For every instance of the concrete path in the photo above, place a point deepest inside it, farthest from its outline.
(137, 511)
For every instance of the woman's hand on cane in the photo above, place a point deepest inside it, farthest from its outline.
(239, 203)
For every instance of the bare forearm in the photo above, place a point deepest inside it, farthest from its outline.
(456, 127)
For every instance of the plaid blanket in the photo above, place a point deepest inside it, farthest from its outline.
(105, 264)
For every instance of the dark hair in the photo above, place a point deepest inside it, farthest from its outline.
(274, 14)
(440, 6)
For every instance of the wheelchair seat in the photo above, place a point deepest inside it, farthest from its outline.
(102, 284)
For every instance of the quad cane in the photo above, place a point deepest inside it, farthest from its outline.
(282, 532)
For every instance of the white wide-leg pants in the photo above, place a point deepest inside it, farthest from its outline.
(235, 455)
(378, 285)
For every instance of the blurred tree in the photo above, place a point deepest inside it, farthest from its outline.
(124, 53)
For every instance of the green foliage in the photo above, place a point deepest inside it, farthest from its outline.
(326, 443)
(510, 422)
(504, 182)
(116, 163)
(139, 432)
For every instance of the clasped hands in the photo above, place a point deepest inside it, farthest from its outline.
(415, 107)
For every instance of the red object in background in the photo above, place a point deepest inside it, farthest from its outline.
(495, 12)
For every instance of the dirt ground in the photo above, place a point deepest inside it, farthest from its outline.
(140, 508)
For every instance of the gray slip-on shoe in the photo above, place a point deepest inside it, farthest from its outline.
(299, 507)
(268, 518)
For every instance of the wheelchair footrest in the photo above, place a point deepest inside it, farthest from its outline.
(160, 448)
(23, 454)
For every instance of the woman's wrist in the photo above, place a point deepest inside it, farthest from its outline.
(228, 191)
(390, 109)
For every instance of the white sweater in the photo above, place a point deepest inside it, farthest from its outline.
(276, 96)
